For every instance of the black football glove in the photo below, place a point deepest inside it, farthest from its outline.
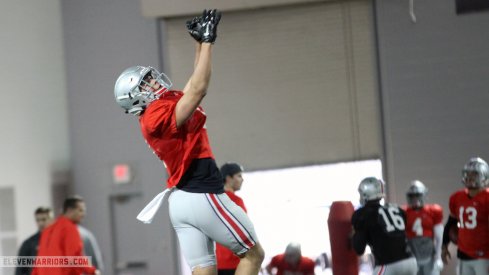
(210, 20)
(194, 28)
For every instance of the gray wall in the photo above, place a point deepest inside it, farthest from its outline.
(171, 8)
(101, 39)
(34, 129)
(314, 95)
(434, 83)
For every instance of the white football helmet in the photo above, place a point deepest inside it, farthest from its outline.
(128, 90)
(371, 189)
(478, 166)
(416, 194)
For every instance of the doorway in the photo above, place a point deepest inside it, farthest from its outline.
(292, 204)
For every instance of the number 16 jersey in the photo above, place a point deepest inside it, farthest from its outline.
(382, 227)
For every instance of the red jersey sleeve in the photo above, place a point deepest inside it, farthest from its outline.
(160, 115)
(452, 204)
(275, 262)
(309, 266)
(437, 214)
(73, 246)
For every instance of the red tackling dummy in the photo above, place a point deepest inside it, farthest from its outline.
(344, 259)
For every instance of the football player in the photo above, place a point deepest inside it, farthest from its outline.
(382, 227)
(469, 215)
(173, 125)
(291, 262)
(424, 229)
(232, 176)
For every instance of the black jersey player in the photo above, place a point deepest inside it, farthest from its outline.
(382, 227)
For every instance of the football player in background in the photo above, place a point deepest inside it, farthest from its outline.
(382, 227)
(291, 262)
(469, 217)
(424, 229)
(231, 172)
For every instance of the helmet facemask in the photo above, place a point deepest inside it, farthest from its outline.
(415, 200)
(416, 194)
(145, 86)
(133, 90)
(475, 174)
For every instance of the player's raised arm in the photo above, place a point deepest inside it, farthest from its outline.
(196, 87)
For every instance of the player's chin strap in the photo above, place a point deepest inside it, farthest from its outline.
(149, 211)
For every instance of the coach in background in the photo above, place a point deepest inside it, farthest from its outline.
(62, 239)
(44, 217)
(91, 247)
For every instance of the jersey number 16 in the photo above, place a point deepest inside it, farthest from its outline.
(393, 220)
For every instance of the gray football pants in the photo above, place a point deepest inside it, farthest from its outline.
(199, 219)
(473, 267)
(404, 267)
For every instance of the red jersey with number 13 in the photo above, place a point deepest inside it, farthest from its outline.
(473, 222)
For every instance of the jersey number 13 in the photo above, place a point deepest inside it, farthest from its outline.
(469, 220)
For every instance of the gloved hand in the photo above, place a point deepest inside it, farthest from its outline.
(194, 28)
(210, 20)
(438, 265)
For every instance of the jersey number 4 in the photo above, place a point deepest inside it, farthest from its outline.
(392, 219)
(417, 227)
(471, 221)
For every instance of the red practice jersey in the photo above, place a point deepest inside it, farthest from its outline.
(61, 238)
(225, 257)
(420, 222)
(175, 147)
(473, 222)
(305, 266)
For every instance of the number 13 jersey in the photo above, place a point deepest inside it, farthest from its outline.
(473, 222)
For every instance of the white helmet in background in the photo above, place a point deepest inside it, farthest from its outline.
(416, 194)
(371, 189)
(479, 166)
(128, 90)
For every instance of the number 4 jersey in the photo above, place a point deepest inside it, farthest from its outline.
(382, 227)
(473, 222)
(420, 230)
(420, 222)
